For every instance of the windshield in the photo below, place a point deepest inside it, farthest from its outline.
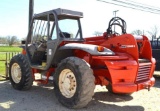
(69, 28)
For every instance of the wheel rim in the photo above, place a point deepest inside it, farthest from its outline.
(16, 73)
(67, 83)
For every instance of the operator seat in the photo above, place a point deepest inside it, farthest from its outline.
(65, 34)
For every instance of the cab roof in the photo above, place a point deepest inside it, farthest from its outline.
(61, 14)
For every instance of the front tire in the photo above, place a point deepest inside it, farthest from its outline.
(74, 82)
(20, 73)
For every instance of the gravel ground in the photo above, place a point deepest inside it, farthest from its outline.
(42, 98)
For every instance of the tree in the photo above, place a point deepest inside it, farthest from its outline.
(154, 32)
(11, 40)
(97, 33)
(137, 32)
(2, 40)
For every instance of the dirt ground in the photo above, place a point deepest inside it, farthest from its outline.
(42, 98)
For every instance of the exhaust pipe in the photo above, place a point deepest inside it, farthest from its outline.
(31, 11)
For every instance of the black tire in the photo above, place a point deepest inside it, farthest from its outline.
(84, 79)
(109, 87)
(26, 80)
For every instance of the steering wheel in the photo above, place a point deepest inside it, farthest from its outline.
(116, 21)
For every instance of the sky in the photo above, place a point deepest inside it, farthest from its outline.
(14, 15)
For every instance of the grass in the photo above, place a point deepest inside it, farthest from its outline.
(3, 51)
(10, 49)
(2, 68)
(2, 64)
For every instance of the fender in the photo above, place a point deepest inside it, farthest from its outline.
(92, 49)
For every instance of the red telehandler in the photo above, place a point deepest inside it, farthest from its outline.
(56, 48)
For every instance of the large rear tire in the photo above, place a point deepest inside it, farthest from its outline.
(74, 82)
(20, 73)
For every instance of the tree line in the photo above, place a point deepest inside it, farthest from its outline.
(13, 40)
(9, 40)
(152, 33)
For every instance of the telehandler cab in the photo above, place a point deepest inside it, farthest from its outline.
(56, 48)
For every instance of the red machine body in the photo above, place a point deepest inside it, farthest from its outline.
(129, 70)
(56, 50)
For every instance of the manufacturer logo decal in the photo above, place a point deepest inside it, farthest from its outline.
(127, 46)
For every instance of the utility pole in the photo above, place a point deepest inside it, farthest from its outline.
(31, 11)
(114, 14)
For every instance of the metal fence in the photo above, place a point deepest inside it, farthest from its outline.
(8, 57)
(155, 43)
(156, 55)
